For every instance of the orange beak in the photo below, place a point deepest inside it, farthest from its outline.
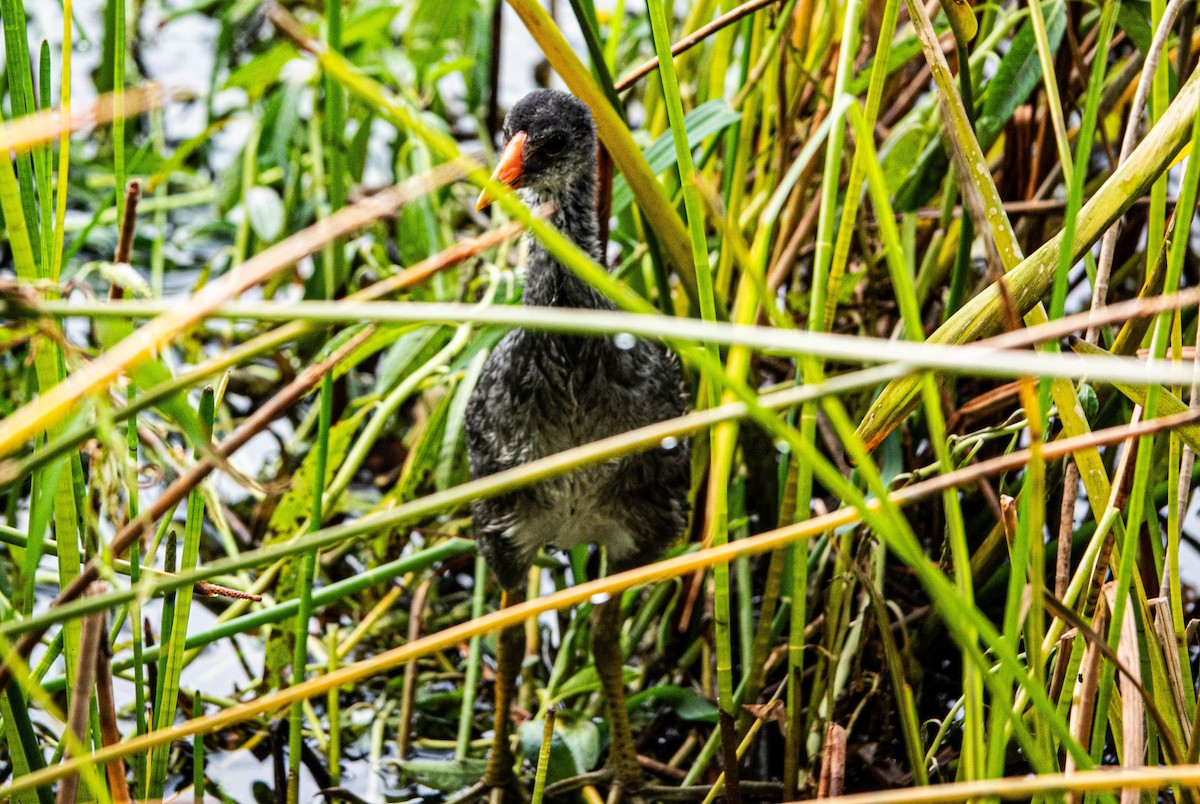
(508, 169)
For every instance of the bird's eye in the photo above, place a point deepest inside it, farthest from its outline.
(555, 144)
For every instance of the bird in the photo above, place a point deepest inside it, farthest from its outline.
(542, 392)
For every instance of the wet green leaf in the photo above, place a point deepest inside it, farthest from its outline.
(702, 122)
(574, 748)
(444, 774)
(685, 703)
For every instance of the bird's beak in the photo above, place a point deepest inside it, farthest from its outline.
(508, 169)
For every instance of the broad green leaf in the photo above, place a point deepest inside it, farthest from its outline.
(422, 463)
(258, 74)
(296, 504)
(436, 30)
(382, 338)
(562, 764)
(151, 373)
(372, 24)
(583, 740)
(444, 774)
(451, 463)
(685, 703)
(411, 349)
(702, 122)
(1134, 19)
(587, 681)
(574, 747)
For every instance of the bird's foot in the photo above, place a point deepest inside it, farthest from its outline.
(485, 792)
(627, 782)
(503, 791)
(622, 787)
(624, 783)
(500, 784)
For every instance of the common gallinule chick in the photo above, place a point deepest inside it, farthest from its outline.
(540, 393)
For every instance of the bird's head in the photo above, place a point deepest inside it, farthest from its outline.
(550, 144)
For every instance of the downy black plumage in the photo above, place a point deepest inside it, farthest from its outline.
(540, 393)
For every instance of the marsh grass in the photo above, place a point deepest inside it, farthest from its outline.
(821, 207)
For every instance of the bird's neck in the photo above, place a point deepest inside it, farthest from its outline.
(547, 282)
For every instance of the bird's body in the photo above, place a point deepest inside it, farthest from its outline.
(540, 393)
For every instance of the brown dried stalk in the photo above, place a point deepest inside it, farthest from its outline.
(833, 763)
(81, 693)
(691, 40)
(109, 732)
(40, 128)
(408, 695)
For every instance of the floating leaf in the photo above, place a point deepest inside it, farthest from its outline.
(587, 681)
(444, 774)
(574, 748)
(685, 703)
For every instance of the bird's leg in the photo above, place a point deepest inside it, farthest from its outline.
(510, 652)
(610, 661)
